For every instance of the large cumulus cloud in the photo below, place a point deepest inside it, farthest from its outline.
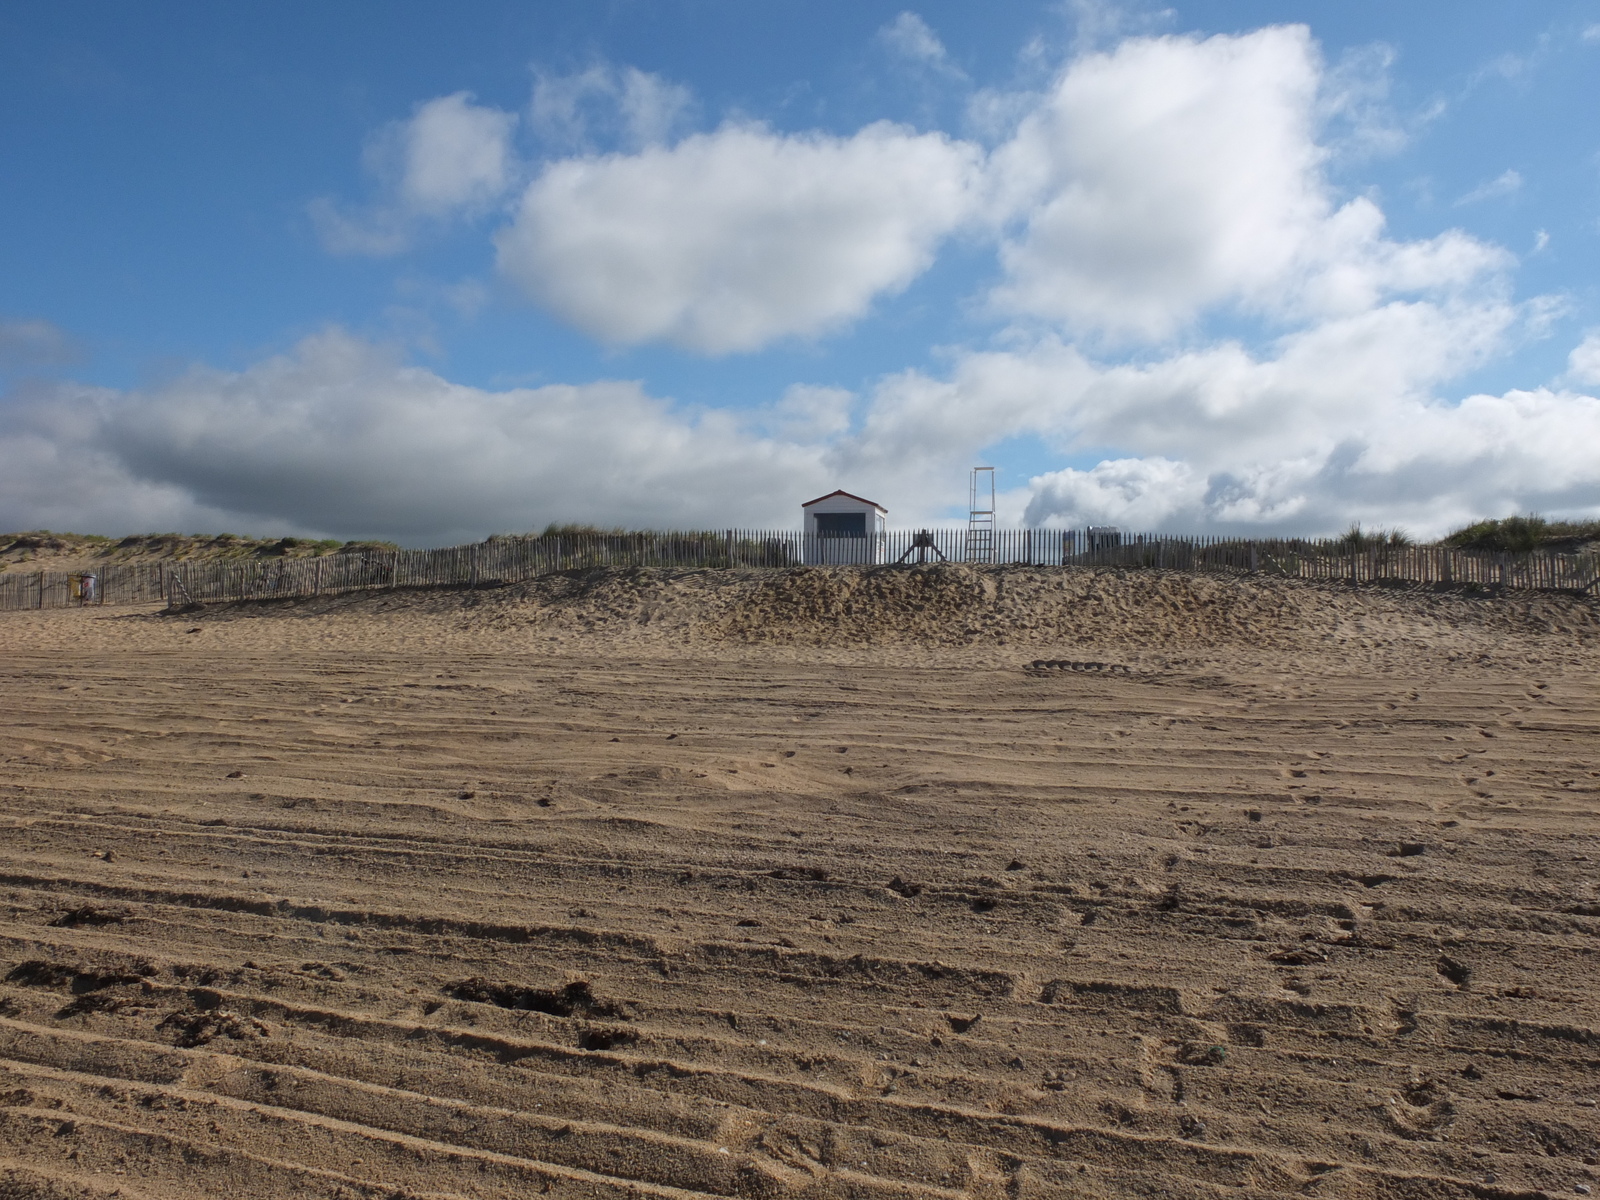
(732, 239)
(1174, 176)
(341, 437)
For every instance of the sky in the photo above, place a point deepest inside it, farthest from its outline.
(433, 272)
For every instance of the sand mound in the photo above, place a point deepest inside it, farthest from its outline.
(950, 605)
(947, 613)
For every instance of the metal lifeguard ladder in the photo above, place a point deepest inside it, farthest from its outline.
(980, 516)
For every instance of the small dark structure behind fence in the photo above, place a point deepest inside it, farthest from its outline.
(504, 560)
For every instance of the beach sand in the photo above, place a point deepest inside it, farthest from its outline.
(808, 884)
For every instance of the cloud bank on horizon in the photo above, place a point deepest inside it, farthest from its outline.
(1204, 331)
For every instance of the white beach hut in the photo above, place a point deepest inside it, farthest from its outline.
(843, 528)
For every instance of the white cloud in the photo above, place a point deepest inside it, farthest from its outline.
(456, 155)
(1425, 466)
(1341, 419)
(1591, 33)
(1353, 104)
(375, 233)
(732, 239)
(1508, 183)
(1149, 186)
(1340, 422)
(1133, 493)
(993, 114)
(1583, 364)
(1161, 177)
(451, 157)
(25, 345)
(1174, 176)
(808, 413)
(1098, 23)
(633, 107)
(909, 36)
(339, 437)
(1508, 67)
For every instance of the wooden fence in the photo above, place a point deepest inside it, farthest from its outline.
(137, 583)
(504, 560)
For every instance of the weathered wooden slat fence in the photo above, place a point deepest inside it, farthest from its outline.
(504, 560)
(137, 583)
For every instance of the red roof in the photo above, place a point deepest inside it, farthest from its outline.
(847, 496)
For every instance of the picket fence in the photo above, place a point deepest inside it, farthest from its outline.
(504, 560)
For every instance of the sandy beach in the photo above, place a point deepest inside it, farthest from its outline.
(804, 883)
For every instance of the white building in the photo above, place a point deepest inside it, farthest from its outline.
(843, 528)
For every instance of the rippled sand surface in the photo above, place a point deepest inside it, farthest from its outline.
(808, 885)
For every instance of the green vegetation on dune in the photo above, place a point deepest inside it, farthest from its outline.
(616, 531)
(1524, 534)
(42, 545)
(1356, 538)
(572, 530)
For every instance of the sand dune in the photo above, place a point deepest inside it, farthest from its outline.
(804, 884)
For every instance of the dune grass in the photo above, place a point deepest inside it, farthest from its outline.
(1524, 534)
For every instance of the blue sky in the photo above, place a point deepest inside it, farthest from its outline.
(432, 272)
